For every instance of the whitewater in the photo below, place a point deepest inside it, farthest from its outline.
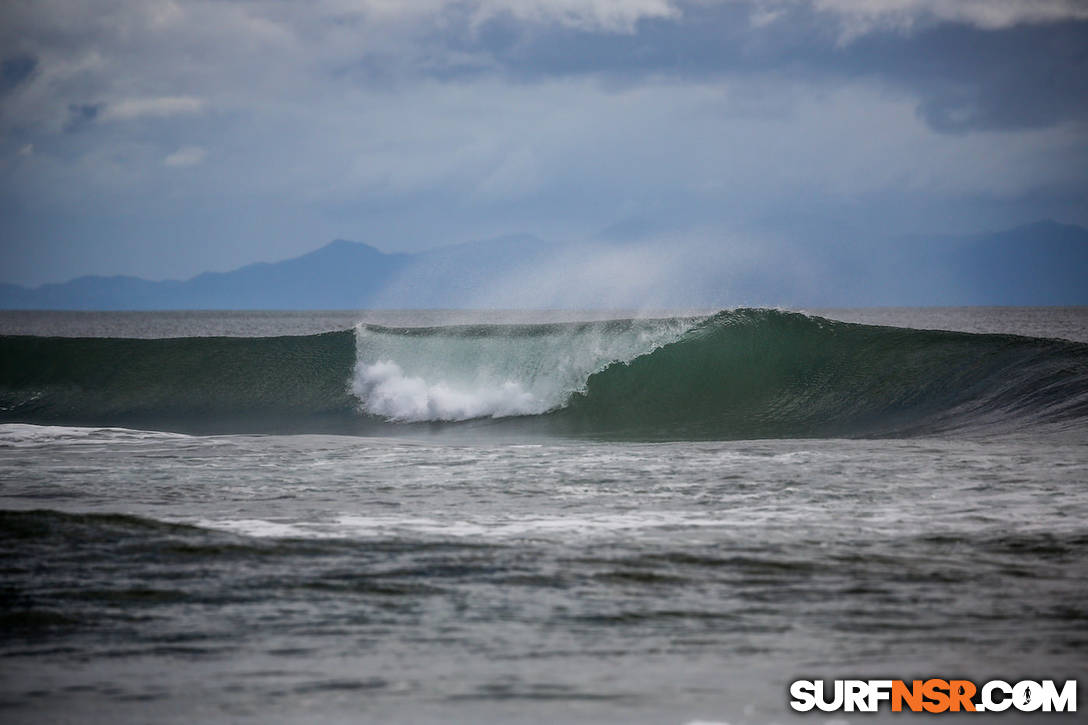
(530, 517)
(464, 372)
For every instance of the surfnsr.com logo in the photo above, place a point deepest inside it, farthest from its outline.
(933, 696)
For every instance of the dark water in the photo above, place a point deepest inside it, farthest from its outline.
(646, 520)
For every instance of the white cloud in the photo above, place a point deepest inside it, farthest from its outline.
(761, 17)
(608, 15)
(623, 15)
(600, 15)
(27, 150)
(186, 156)
(161, 107)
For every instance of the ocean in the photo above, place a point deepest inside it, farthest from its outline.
(535, 517)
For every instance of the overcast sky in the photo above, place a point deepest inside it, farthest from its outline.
(164, 138)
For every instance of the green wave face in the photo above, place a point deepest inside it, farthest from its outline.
(213, 384)
(765, 373)
(739, 374)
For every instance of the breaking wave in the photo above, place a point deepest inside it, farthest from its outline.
(490, 371)
(743, 373)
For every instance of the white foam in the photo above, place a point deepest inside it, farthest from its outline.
(501, 527)
(451, 374)
(261, 528)
(388, 392)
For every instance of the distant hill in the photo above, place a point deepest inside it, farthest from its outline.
(1045, 263)
(1040, 264)
(340, 275)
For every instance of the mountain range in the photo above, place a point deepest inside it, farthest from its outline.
(1045, 263)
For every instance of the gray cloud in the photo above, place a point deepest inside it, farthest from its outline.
(211, 134)
(16, 69)
(991, 74)
(1023, 77)
(1007, 64)
(863, 16)
(81, 115)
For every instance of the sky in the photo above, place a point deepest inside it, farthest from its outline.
(164, 138)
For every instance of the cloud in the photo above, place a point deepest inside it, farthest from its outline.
(411, 123)
(16, 69)
(761, 17)
(588, 15)
(161, 107)
(186, 156)
(81, 115)
(863, 16)
(247, 54)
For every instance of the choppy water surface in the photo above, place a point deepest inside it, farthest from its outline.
(493, 571)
